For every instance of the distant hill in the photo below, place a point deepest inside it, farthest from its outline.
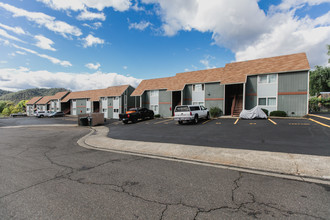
(4, 92)
(27, 94)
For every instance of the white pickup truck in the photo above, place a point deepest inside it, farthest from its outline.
(41, 114)
(190, 113)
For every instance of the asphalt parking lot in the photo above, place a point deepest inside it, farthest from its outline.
(19, 121)
(301, 136)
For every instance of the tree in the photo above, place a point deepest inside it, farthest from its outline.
(319, 80)
(2, 105)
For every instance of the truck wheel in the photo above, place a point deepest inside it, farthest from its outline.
(134, 120)
(180, 122)
(125, 122)
(196, 119)
(208, 116)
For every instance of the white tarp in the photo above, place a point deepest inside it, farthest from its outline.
(256, 112)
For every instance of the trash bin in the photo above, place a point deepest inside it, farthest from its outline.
(84, 121)
(90, 121)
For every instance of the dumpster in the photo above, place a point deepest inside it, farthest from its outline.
(84, 121)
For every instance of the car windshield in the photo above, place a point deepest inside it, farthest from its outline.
(182, 109)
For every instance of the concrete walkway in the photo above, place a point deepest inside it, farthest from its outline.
(293, 166)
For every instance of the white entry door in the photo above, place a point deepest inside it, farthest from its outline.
(105, 106)
(74, 107)
(116, 108)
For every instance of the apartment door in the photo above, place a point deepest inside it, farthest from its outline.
(116, 108)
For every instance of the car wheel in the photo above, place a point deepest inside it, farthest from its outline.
(125, 122)
(134, 120)
(180, 122)
(196, 119)
(41, 116)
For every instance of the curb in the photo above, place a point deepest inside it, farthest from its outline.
(109, 144)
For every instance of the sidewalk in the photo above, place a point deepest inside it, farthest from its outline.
(286, 165)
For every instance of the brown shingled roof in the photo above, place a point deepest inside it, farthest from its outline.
(201, 76)
(238, 71)
(232, 73)
(152, 84)
(59, 95)
(44, 100)
(34, 100)
(94, 95)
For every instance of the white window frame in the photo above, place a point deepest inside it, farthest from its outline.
(154, 93)
(200, 86)
(269, 97)
(198, 103)
(152, 107)
(267, 78)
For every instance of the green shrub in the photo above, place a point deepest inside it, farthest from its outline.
(278, 113)
(215, 112)
(314, 104)
(157, 116)
(6, 111)
(265, 110)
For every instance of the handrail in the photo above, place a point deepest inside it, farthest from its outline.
(233, 106)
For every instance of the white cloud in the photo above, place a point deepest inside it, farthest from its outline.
(246, 30)
(3, 61)
(90, 40)
(293, 4)
(51, 59)
(93, 66)
(22, 78)
(44, 43)
(125, 67)
(87, 15)
(6, 35)
(95, 25)
(206, 61)
(20, 52)
(42, 19)
(17, 30)
(139, 26)
(76, 5)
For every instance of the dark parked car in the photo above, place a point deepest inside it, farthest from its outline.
(56, 114)
(134, 114)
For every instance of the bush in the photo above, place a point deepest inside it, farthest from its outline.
(6, 111)
(314, 104)
(215, 112)
(157, 116)
(265, 110)
(278, 113)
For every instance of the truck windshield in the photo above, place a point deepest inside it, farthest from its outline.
(182, 109)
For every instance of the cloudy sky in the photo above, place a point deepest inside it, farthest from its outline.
(90, 44)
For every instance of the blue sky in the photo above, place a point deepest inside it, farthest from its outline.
(90, 44)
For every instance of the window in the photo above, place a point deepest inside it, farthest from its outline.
(154, 108)
(268, 78)
(262, 101)
(116, 98)
(198, 87)
(154, 93)
(115, 110)
(272, 78)
(263, 79)
(104, 110)
(194, 108)
(271, 101)
(198, 103)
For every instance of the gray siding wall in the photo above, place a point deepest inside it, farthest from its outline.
(81, 106)
(289, 84)
(165, 103)
(214, 95)
(187, 95)
(146, 100)
(130, 99)
(251, 92)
